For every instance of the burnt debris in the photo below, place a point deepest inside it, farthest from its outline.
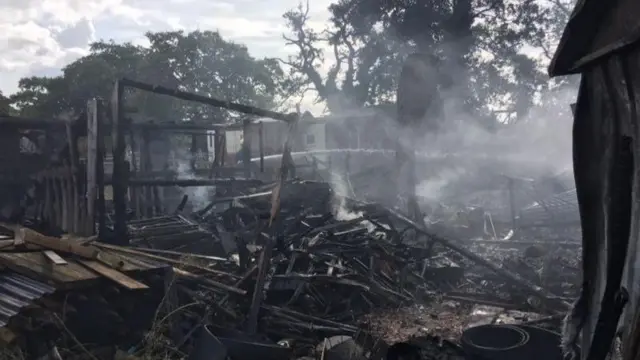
(110, 257)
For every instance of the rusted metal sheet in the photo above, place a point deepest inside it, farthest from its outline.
(16, 292)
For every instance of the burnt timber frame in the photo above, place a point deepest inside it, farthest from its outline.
(60, 180)
(96, 179)
(121, 126)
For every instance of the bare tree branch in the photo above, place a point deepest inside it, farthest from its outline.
(563, 7)
(308, 54)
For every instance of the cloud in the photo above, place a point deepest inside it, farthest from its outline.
(41, 36)
(77, 35)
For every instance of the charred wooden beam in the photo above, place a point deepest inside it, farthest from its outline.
(188, 182)
(183, 95)
(188, 127)
(92, 163)
(261, 144)
(246, 147)
(120, 168)
(30, 123)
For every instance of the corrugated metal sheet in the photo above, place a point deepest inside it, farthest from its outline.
(16, 292)
(557, 209)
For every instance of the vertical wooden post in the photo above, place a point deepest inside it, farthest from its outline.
(74, 201)
(347, 163)
(40, 195)
(119, 181)
(275, 226)
(264, 263)
(100, 151)
(314, 163)
(194, 152)
(60, 203)
(512, 202)
(147, 166)
(261, 142)
(223, 148)
(217, 153)
(246, 147)
(48, 197)
(134, 191)
(69, 178)
(72, 144)
(92, 165)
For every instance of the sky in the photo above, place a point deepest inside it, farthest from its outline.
(39, 37)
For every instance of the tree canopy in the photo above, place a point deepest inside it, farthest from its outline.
(5, 105)
(199, 61)
(479, 45)
(482, 49)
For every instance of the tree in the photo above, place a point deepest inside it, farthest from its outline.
(5, 105)
(479, 45)
(366, 63)
(559, 92)
(201, 62)
(557, 15)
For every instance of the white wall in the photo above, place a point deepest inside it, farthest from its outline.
(313, 137)
(234, 141)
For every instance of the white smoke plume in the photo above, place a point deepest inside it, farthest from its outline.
(180, 163)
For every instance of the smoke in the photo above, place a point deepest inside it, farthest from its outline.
(463, 155)
(431, 189)
(180, 162)
(538, 145)
(341, 189)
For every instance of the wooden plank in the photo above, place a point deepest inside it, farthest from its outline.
(68, 246)
(54, 258)
(72, 272)
(18, 237)
(163, 259)
(120, 278)
(37, 265)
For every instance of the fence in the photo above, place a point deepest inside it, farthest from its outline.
(59, 200)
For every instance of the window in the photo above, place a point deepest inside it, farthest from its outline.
(311, 139)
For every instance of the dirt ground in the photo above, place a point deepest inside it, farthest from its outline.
(445, 319)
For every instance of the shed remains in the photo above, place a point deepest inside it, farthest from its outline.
(600, 42)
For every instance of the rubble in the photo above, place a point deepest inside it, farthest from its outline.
(338, 267)
(284, 269)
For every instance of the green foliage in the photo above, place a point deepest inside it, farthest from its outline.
(366, 62)
(200, 61)
(481, 46)
(5, 105)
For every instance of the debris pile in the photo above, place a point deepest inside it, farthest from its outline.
(326, 266)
